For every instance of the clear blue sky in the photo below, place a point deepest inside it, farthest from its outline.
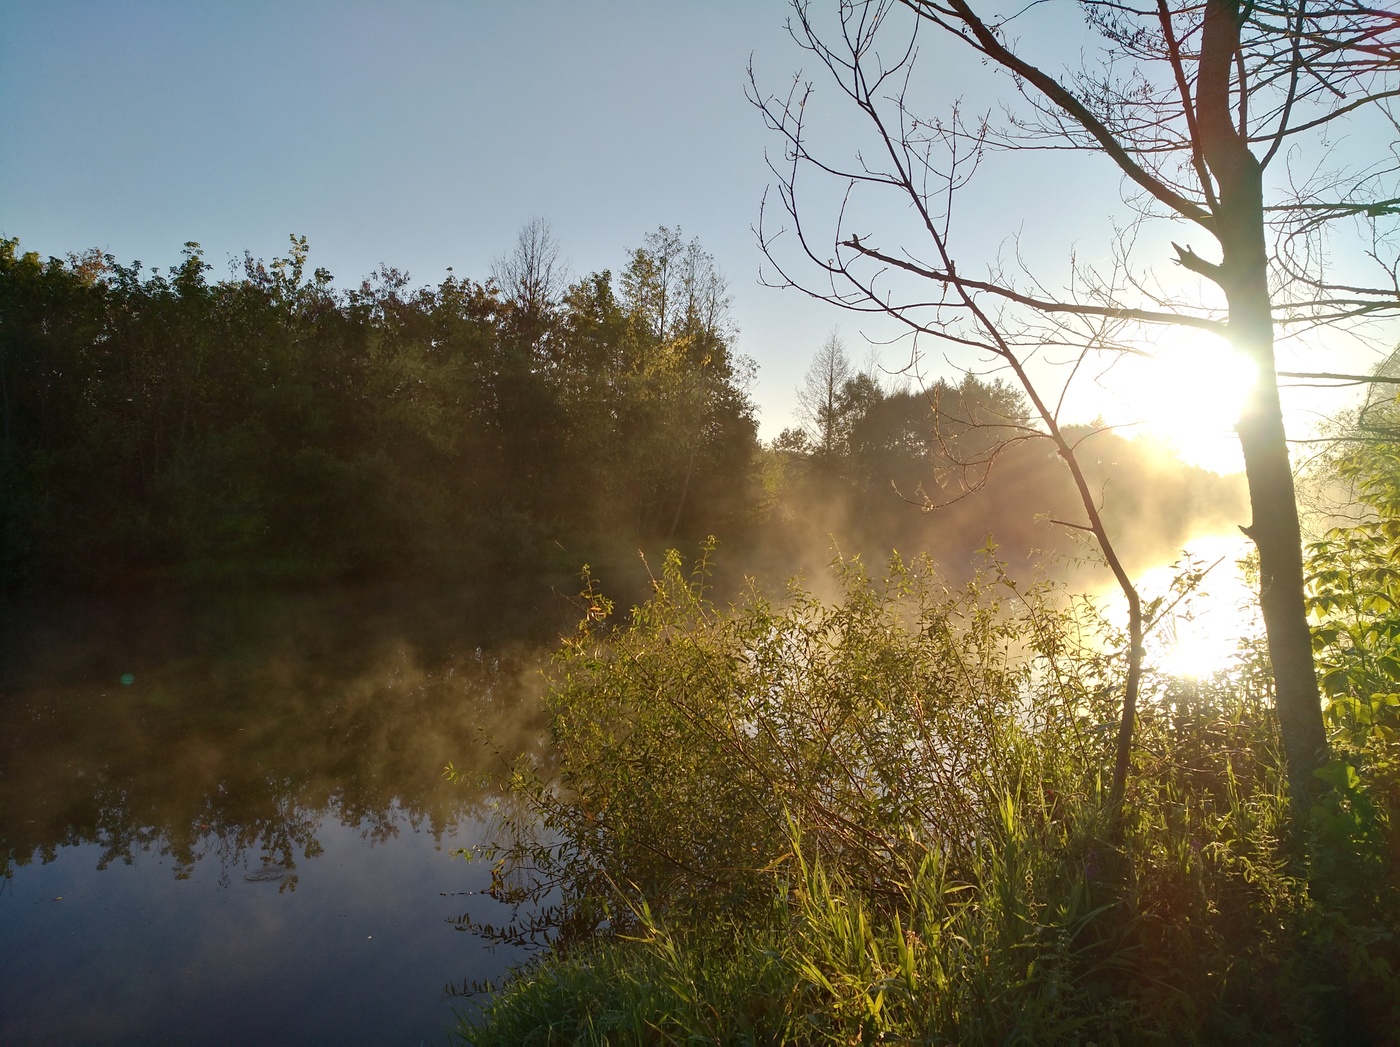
(424, 133)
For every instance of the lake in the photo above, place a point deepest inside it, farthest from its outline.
(225, 821)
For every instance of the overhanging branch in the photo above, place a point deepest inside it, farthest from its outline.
(1343, 379)
(952, 279)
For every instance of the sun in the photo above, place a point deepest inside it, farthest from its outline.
(1187, 392)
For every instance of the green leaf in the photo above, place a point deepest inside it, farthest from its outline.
(1335, 682)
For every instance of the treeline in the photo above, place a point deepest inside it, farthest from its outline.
(944, 468)
(270, 425)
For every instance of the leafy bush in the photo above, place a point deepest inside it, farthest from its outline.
(888, 724)
(1354, 598)
(879, 818)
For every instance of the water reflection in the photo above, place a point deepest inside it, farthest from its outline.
(203, 807)
(1204, 625)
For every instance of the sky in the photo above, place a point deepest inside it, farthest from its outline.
(422, 135)
(425, 133)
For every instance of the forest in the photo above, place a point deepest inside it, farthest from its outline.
(160, 426)
(163, 429)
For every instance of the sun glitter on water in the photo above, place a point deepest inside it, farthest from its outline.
(1204, 638)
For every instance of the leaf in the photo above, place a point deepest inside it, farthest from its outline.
(1335, 682)
(1339, 774)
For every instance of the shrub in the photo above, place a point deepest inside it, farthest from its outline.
(879, 818)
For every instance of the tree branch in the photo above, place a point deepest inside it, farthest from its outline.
(985, 40)
(952, 279)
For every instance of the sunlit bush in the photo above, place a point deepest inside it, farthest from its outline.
(880, 815)
(890, 723)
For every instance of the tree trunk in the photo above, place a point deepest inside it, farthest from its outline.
(1243, 275)
(1276, 534)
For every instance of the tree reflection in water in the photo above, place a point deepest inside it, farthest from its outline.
(252, 732)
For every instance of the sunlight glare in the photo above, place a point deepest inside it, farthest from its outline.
(1202, 636)
(1188, 394)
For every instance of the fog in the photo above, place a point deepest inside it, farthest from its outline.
(226, 729)
(1152, 504)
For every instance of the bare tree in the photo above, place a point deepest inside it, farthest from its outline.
(532, 277)
(1191, 103)
(819, 395)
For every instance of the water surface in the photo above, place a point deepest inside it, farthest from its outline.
(226, 822)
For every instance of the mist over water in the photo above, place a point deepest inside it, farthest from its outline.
(226, 821)
(1153, 506)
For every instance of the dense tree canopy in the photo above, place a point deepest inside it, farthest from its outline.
(272, 425)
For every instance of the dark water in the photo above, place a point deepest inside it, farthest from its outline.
(227, 822)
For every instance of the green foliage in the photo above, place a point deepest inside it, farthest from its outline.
(878, 818)
(268, 425)
(689, 736)
(1353, 596)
